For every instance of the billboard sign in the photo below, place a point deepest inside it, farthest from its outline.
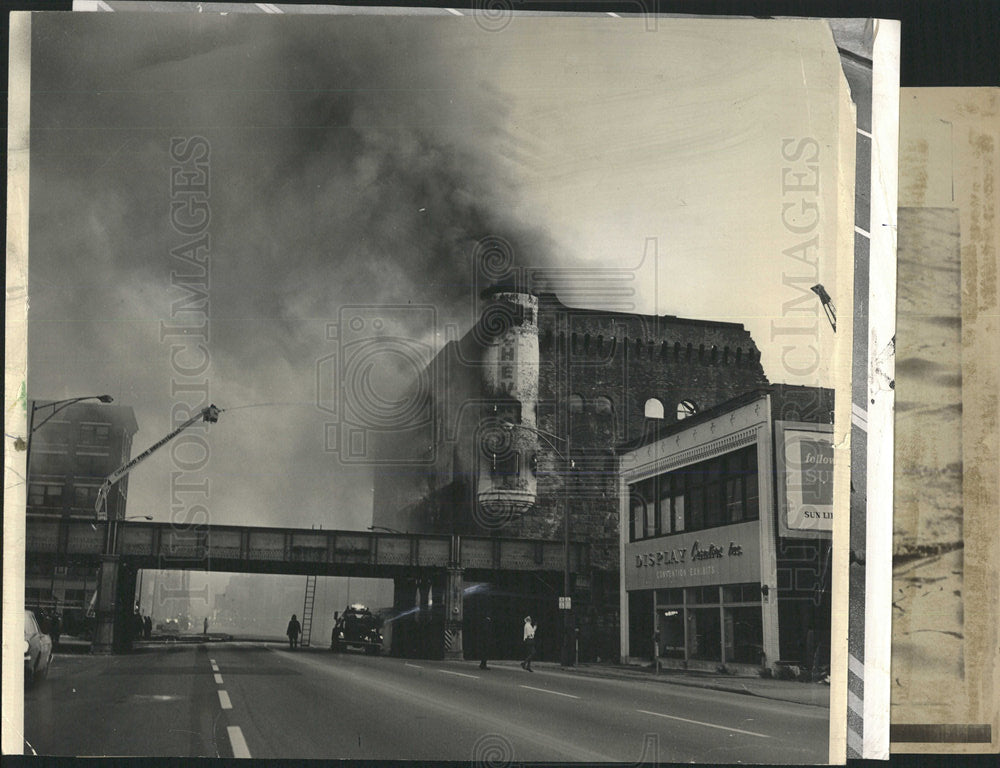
(805, 478)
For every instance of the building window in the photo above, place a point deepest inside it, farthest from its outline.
(743, 625)
(686, 408)
(603, 406)
(95, 434)
(575, 403)
(704, 634)
(678, 505)
(45, 495)
(92, 465)
(671, 627)
(653, 409)
(711, 493)
(85, 496)
(54, 433)
(635, 526)
(643, 509)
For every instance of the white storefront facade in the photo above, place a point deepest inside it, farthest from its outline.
(726, 519)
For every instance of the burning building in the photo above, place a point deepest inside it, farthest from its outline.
(520, 420)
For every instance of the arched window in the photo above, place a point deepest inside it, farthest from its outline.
(653, 409)
(602, 405)
(575, 403)
(686, 408)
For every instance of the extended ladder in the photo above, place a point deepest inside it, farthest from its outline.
(307, 610)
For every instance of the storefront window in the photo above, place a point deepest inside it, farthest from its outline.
(704, 634)
(670, 597)
(744, 635)
(703, 595)
(678, 513)
(671, 626)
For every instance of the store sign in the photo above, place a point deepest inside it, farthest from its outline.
(805, 478)
(725, 555)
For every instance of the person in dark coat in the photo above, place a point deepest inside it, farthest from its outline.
(147, 627)
(294, 628)
(485, 640)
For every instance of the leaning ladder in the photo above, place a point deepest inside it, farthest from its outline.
(307, 610)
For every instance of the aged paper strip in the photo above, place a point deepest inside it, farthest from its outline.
(947, 506)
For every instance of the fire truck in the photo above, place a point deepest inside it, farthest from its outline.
(356, 627)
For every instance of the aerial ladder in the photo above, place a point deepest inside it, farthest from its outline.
(209, 414)
(104, 631)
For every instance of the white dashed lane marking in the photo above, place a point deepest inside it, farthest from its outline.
(237, 741)
(218, 678)
(707, 725)
(546, 690)
(415, 666)
(224, 701)
(458, 674)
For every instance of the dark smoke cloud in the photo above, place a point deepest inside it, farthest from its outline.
(351, 163)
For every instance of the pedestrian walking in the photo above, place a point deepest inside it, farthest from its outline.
(204, 626)
(294, 628)
(137, 625)
(485, 640)
(529, 642)
(147, 627)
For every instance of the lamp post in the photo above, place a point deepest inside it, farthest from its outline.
(548, 437)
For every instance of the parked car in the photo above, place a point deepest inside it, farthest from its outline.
(356, 627)
(37, 650)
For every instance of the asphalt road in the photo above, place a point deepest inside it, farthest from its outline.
(264, 701)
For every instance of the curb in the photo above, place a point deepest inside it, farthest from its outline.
(625, 674)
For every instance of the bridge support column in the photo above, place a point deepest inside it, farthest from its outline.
(115, 627)
(107, 608)
(453, 594)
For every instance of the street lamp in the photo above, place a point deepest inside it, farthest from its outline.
(827, 302)
(548, 437)
(56, 406)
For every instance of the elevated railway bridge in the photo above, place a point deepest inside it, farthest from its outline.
(430, 572)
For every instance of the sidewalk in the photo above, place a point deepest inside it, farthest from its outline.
(811, 694)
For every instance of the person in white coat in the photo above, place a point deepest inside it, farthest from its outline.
(529, 642)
